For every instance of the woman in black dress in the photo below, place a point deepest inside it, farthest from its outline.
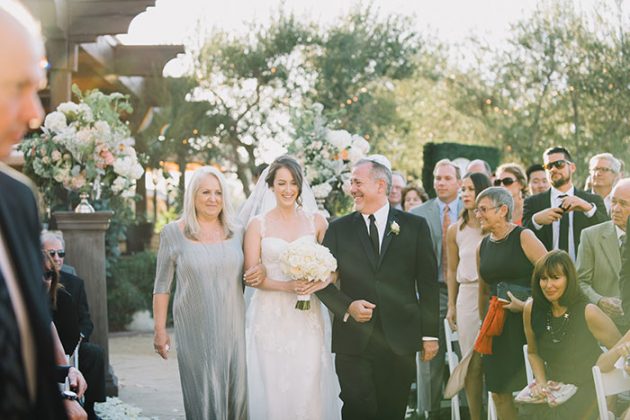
(507, 255)
(563, 331)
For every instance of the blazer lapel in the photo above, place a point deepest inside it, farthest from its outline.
(608, 243)
(364, 237)
(388, 236)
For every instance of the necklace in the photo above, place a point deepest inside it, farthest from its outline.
(504, 236)
(558, 334)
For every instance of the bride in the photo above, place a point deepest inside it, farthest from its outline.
(290, 373)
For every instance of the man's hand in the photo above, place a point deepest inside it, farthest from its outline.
(74, 410)
(77, 381)
(429, 349)
(611, 306)
(255, 275)
(548, 216)
(575, 203)
(361, 310)
(451, 316)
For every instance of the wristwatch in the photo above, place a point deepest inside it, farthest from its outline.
(69, 395)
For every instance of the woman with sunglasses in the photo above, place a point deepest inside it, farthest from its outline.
(563, 334)
(512, 177)
(462, 241)
(506, 259)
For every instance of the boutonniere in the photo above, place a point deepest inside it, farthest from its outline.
(394, 228)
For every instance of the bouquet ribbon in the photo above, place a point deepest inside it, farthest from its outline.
(492, 326)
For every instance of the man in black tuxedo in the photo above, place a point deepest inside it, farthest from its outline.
(387, 306)
(28, 376)
(558, 215)
(91, 356)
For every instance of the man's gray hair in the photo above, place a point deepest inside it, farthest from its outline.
(51, 235)
(614, 162)
(14, 10)
(499, 197)
(447, 162)
(401, 176)
(378, 171)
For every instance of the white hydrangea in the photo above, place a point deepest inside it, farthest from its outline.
(128, 167)
(322, 190)
(55, 121)
(341, 139)
(360, 143)
(55, 155)
(354, 155)
(68, 108)
(119, 185)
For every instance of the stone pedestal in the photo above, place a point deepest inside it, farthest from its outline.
(84, 235)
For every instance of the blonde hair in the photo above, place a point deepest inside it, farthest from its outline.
(189, 214)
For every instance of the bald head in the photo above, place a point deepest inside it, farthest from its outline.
(21, 74)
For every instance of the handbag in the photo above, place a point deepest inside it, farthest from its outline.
(518, 291)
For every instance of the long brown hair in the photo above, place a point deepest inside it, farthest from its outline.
(55, 285)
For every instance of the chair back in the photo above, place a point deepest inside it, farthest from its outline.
(609, 383)
(528, 367)
(452, 360)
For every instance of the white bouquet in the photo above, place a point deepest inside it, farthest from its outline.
(307, 261)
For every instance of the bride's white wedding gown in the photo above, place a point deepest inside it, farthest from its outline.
(290, 372)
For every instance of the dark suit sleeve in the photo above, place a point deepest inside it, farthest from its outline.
(85, 322)
(529, 209)
(331, 296)
(427, 281)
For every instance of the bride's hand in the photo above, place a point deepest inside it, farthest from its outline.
(316, 286)
(255, 275)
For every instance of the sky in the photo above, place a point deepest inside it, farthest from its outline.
(173, 21)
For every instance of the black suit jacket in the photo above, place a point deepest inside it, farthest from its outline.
(542, 201)
(407, 267)
(19, 219)
(76, 287)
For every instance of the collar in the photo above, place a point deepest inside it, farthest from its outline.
(380, 215)
(619, 232)
(452, 206)
(556, 193)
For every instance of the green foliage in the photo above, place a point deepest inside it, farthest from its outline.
(130, 288)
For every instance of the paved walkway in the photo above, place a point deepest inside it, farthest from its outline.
(145, 380)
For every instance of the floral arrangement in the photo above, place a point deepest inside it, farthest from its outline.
(327, 155)
(85, 147)
(307, 261)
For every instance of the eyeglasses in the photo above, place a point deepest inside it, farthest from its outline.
(505, 181)
(483, 210)
(48, 275)
(558, 164)
(601, 169)
(59, 252)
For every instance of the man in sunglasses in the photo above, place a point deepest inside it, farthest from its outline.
(91, 357)
(559, 215)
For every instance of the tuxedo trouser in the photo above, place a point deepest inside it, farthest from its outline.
(375, 383)
(92, 365)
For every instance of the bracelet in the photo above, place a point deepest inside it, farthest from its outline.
(69, 395)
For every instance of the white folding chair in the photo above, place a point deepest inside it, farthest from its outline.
(609, 383)
(452, 360)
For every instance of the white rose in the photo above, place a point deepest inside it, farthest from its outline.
(119, 185)
(361, 144)
(68, 108)
(55, 121)
(55, 155)
(341, 139)
(322, 190)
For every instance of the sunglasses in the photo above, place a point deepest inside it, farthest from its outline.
(558, 164)
(48, 275)
(505, 181)
(59, 252)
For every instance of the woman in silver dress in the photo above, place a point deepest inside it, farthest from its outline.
(203, 251)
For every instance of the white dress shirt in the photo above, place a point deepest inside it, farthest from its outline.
(380, 219)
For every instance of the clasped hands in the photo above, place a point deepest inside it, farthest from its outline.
(361, 311)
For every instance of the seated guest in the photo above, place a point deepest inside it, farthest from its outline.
(609, 360)
(413, 196)
(563, 333)
(91, 357)
(598, 259)
(537, 179)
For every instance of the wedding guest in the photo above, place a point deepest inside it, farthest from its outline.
(506, 259)
(537, 179)
(558, 215)
(462, 241)
(563, 334)
(203, 250)
(604, 172)
(608, 360)
(480, 166)
(440, 213)
(599, 257)
(28, 374)
(512, 177)
(413, 196)
(399, 183)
